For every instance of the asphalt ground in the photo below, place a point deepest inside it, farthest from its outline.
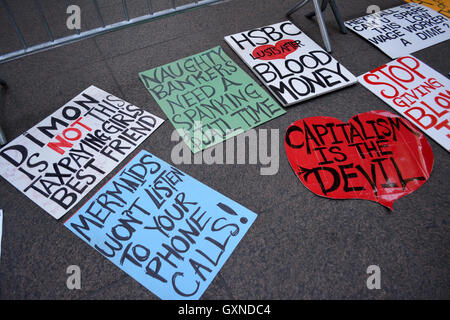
(301, 246)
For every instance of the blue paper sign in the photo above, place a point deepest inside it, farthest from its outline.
(167, 230)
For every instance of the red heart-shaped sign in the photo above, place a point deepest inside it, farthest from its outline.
(376, 156)
(279, 51)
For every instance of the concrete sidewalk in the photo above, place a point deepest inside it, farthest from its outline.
(301, 246)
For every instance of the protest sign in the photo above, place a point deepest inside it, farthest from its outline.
(289, 63)
(63, 157)
(208, 98)
(441, 6)
(402, 30)
(167, 230)
(376, 156)
(417, 92)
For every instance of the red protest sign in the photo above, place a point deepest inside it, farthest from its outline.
(376, 156)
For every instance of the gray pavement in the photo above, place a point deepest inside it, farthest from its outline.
(301, 246)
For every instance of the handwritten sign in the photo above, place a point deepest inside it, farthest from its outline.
(417, 92)
(402, 30)
(441, 6)
(164, 228)
(208, 98)
(63, 157)
(376, 156)
(289, 63)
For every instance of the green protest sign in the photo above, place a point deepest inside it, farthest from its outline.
(209, 98)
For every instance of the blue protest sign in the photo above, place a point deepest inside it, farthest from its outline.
(167, 230)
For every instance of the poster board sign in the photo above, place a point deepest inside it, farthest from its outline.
(167, 230)
(441, 6)
(402, 30)
(209, 98)
(377, 156)
(417, 92)
(291, 65)
(58, 161)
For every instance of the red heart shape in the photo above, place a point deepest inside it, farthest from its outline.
(280, 50)
(376, 156)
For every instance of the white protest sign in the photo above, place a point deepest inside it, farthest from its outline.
(402, 30)
(58, 161)
(417, 92)
(292, 66)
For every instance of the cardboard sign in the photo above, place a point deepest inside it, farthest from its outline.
(289, 63)
(208, 98)
(167, 230)
(402, 30)
(58, 161)
(417, 92)
(441, 6)
(376, 156)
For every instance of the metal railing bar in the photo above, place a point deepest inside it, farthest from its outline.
(98, 13)
(13, 22)
(174, 4)
(44, 20)
(101, 30)
(125, 9)
(150, 6)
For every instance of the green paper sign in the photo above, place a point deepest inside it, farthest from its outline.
(209, 98)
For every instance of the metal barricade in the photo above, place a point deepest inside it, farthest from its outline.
(149, 15)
